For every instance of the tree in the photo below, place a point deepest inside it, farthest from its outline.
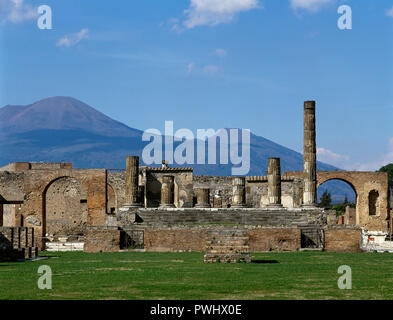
(325, 200)
(389, 169)
(346, 200)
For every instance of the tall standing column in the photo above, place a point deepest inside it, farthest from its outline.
(167, 196)
(238, 192)
(132, 175)
(309, 156)
(274, 182)
(202, 198)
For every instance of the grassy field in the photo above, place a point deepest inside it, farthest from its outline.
(140, 275)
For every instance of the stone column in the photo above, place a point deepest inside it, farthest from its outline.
(309, 156)
(132, 175)
(202, 198)
(274, 182)
(167, 196)
(238, 192)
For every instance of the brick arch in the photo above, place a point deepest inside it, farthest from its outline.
(362, 183)
(37, 181)
(44, 217)
(350, 182)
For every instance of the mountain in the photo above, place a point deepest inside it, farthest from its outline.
(61, 113)
(66, 129)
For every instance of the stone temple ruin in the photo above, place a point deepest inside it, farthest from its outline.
(53, 207)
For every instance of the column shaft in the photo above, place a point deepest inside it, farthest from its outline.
(167, 190)
(309, 156)
(274, 182)
(132, 175)
(202, 198)
(238, 192)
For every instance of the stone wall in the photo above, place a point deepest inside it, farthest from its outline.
(291, 193)
(183, 186)
(179, 239)
(38, 182)
(218, 186)
(256, 190)
(11, 187)
(66, 208)
(117, 181)
(102, 239)
(175, 239)
(275, 239)
(342, 239)
(364, 185)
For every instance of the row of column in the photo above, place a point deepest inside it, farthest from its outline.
(133, 190)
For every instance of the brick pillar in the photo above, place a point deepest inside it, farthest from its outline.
(132, 175)
(309, 156)
(202, 198)
(167, 196)
(274, 182)
(238, 192)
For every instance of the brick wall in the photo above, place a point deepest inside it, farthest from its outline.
(342, 239)
(103, 239)
(274, 239)
(194, 239)
(174, 240)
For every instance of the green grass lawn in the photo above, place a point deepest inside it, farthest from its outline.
(140, 275)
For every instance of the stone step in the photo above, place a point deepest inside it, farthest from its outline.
(64, 246)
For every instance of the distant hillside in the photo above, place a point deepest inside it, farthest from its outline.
(65, 129)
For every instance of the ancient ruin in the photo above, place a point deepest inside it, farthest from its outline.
(171, 209)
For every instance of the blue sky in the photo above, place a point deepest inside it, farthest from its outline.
(213, 64)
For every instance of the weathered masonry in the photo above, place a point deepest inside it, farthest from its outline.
(171, 209)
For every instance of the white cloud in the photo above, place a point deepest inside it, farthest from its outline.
(309, 5)
(220, 52)
(389, 12)
(16, 11)
(72, 39)
(214, 12)
(209, 70)
(343, 162)
(332, 158)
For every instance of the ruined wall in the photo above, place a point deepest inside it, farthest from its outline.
(175, 240)
(350, 216)
(183, 187)
(102, 239)
(220, 189)
(11, 218)
(363, 184)
(257, 193)
(11, 187)
(179, 239)
(275, 239)
(342, 239)
(66, 208)
(37, 182)
(117, 181)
